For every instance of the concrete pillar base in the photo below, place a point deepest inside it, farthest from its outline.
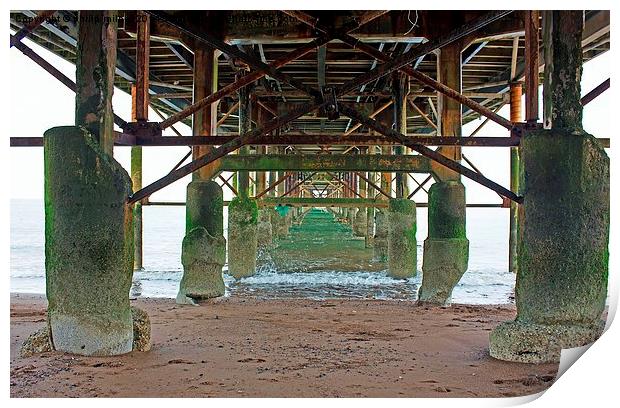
(444, 263)
(523, 342)
(380, 249)
(203, 257)
(242, 237)
(88, 245)
(563, 251)
(141, 329)
(402, 244)
(360, 223)
(204, 248)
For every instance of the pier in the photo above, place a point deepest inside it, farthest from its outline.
(329, 130)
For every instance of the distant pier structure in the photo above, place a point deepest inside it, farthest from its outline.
(360, 112)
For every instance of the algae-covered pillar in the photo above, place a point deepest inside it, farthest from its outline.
(264, 227)
(401, 214)
(243, 210)
(204, 247)
(370, 216)
(380, 249)
(563, 249)
(88, 225)
(360, 226)
(446, 249)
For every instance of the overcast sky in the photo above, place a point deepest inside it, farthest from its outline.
(39, 102)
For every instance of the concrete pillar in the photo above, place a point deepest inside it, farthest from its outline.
(264, 229)
(88, 226)
(380, 249)
(402, 244)
(370, 227)
(360, 225)
(381, 227)
(204, 247)
(88, 245)
(563, 249)
(242, 237)
(446, 250)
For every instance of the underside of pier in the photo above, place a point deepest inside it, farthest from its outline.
(328, 129)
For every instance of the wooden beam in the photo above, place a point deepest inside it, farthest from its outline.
(205, 76)
(96, 54)
(532, 26)
(143, 48)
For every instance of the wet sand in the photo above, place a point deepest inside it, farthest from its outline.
(285, 348)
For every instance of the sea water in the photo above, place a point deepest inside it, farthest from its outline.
(487, 280)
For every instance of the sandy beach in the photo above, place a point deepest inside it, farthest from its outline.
(285, 348)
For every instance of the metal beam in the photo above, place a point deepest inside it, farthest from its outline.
(221, 151)
(431, 154)
(326, 162)
(590, 96)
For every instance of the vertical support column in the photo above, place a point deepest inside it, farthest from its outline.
(243, 211)
(204, 247)
(140, 112)
(400, 90)
(563, 249)
(245, 125)
(515, 116)
(360, 228)
(88, 225)
(446, 250)
(265, 230)
(204, 121)
(94, 77)
(562, 107)
(380, 249)
(370, 216)
(532, 26)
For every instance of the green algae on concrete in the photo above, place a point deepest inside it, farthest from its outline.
(381, 236)
(88, 245)
(203, 251)
(360, 223)
(321, 243)
(563, 250)
(279, 224)
(242, 237)
(265, 231)
(370, 227)
(202, 256)
(402, 244)
(446, 250)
